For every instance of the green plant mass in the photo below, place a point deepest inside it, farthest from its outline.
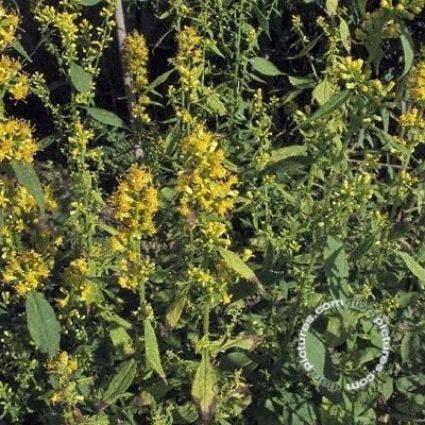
(212, 212)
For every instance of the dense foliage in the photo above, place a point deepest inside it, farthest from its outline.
(182, 183)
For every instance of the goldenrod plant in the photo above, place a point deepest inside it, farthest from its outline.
(211, 212)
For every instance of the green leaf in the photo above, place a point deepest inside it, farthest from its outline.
(80, 78)
(204, 389)
(281, 154)
(409, 346)
(216, 105)
(248, 343)
(106, 117)
(316, 352)
(211, 45)
(28, 178)
(300, 82)
(46, 142)
(1, 226)
(175, 310)
(121, 339)
(408, 49)
(42, 324)
(344, 33)
(237, 265)
(323, 91)
(388, 139)
(414, 267)
(265, 67)
(362, 6)
(386, 388)
(331, 7)
(151, 349)
(336, 266)
(16, 44)
(89, 2)
(161, 79)
(331, 105)
(120, 382)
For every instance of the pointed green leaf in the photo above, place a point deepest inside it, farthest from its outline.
(331, 7)
(121, 339)
(175, 310)
(248, 343)
(42, 324)
(16, 44)
(120, 382)
(106, 117)
(414, 267)
(80, 78)
(323, 91)
(336, 266)
(408, 49)
(204, 389)
(265, 67)
(301, 82)
(89, 2)
(318, 356)
(331, 105)
(234, 262)
(278, 155)
(28, 178)
(151, 349)
(160, 79)
(344, 33)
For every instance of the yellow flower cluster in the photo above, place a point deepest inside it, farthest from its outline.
(63, 367)
(188, 61)
(63, 364)
(8, 25)
(216, 287)
(417, 82)
(78, 142)
(75, 275)
(136, 57)
(412, 118)
(12, 79)
(20, 213)
(355, 192)
(206, 186)
(135, 202)
(134, 270)
(18, 199)
(66, 24)
(404, 8)
(16, 141)
(356, 77)
(24, 271)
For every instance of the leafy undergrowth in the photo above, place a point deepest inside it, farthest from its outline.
(187, 199)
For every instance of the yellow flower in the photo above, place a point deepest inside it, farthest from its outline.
(81, 265)
(417, 82)
(16, 141)
(135, 202)
(134, 270)
(20, 89)
(188, 61)
(206, 186)
(8, 25)
(136, 56)
(25, 271)
(200, 275)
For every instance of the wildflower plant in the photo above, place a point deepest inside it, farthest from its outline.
(183, 183)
